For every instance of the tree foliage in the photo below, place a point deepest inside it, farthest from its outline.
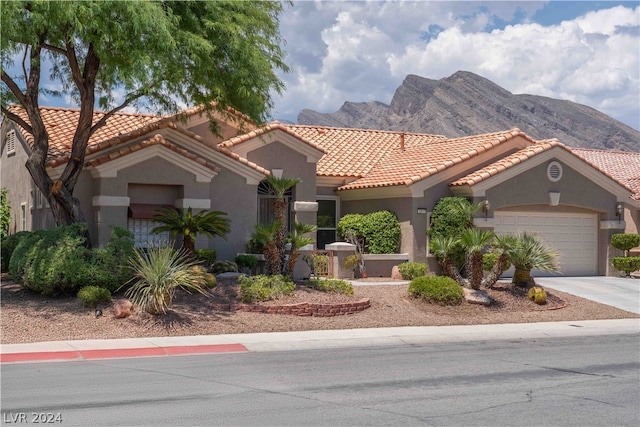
(5, 213)
(119, 54)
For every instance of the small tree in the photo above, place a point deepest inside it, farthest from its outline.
(625, 242)
(280, 186)
(529, 252)
(299, 238)
(265, 237)
(184, 222)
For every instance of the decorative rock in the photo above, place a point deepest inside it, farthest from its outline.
(122, 308)
(229, 275)
(473, 296)
(395, 273)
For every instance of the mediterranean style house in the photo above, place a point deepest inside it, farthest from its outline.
(575, 198)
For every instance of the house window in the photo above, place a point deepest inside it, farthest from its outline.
(23, 217)
(39, 197)
(327, 222)
(11, 142)
(143, 238)
(266, 204)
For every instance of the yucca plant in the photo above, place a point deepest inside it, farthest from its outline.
(530, 252)
(159, 272)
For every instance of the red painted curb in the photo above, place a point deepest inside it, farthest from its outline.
(120, 353)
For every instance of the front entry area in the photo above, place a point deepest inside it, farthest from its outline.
(573, 235)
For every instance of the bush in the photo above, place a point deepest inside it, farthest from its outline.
(626, 264)
(206, 256)
(624, 242)
(331, 285)
(246, 262)
(489, 260)
(264, 288)
(91, 296)
(159, 272)
(212, 282)
(450, 217)
(411, 270)
(538, 295)
(9, 244)
(436, 290)
(220, 267)
(379, 230)
(112, 264)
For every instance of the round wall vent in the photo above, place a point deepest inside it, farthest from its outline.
(554, 171)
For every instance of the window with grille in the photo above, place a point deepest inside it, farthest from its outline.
(327, 221)
(266, 204)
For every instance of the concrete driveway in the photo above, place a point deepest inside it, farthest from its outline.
(618, 292)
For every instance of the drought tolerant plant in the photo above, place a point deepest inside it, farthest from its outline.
(5, 213)
(279, 186)
(299, 238)
(439, 290)
(246, 263)
(185, 223)
(264, 237)
(331, 285)
(379, 231)
(529, 252)
(207, 257)
(159, 273)
(627, 264)
(9, 244)
(411, 270)
(625, 241)
(264, 288)
(538, 295)
(91, 296)
(219, 267)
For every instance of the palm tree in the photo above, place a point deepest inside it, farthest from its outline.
(210, 223)
(500, 245)
(279, 187)
(474, 241)
(531, 252)
(443, 247)
(299, 238)
(265, 236)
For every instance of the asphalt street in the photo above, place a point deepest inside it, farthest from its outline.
(569, 380)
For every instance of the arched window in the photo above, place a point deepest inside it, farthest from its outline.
(266, 203)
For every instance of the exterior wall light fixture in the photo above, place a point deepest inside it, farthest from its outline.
(619, 211)
(485, 208)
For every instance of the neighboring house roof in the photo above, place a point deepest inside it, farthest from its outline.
(235, 141)
(356, 152)
(623, 166)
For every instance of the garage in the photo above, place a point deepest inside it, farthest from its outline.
(574, 236)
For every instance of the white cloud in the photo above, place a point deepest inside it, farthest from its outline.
(361, 51)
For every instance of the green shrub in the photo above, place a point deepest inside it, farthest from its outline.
(380, 230)
(436, 290)
(246, 263)
(9, 244)
(624, 242)
(411, 270)
(91, 296)
(207, 256)
(331, 285)
(626, 264)
(219, 267)
(56, 261)
(264, 288)
(489, 260)
(159, 272)
(450, 217)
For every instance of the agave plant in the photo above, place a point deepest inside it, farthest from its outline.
(159, 272)
(530, 252)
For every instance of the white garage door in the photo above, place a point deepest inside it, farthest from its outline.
(574, 236)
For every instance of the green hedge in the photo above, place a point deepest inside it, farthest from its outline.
(624, 242)
(56, 261)
(436, 290)
(331, 285)
(91, 296)
(380, 230)
(9, 244)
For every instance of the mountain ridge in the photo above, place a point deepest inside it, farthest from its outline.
(467, 104)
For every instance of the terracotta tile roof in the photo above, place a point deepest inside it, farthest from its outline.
(232, 142)
(154, 140)
(508, 162)
(425, 156)
(623, 166)
(61, 124)
(356, 152)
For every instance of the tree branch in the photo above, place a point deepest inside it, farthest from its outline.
(24, 59)
(128, 100)
(53, 48)
(15, 118)
(13, 87)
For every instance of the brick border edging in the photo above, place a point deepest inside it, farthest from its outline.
(306, 309)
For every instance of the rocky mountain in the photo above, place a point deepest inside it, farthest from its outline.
(466, 104)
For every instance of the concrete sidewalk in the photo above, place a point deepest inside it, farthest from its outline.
(306, 340)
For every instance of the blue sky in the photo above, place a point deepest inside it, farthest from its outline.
(584, 51)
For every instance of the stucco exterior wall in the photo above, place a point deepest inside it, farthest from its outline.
(16, 179)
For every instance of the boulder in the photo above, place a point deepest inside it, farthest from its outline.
(473, 296)
(395, 273)
(122, 308)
